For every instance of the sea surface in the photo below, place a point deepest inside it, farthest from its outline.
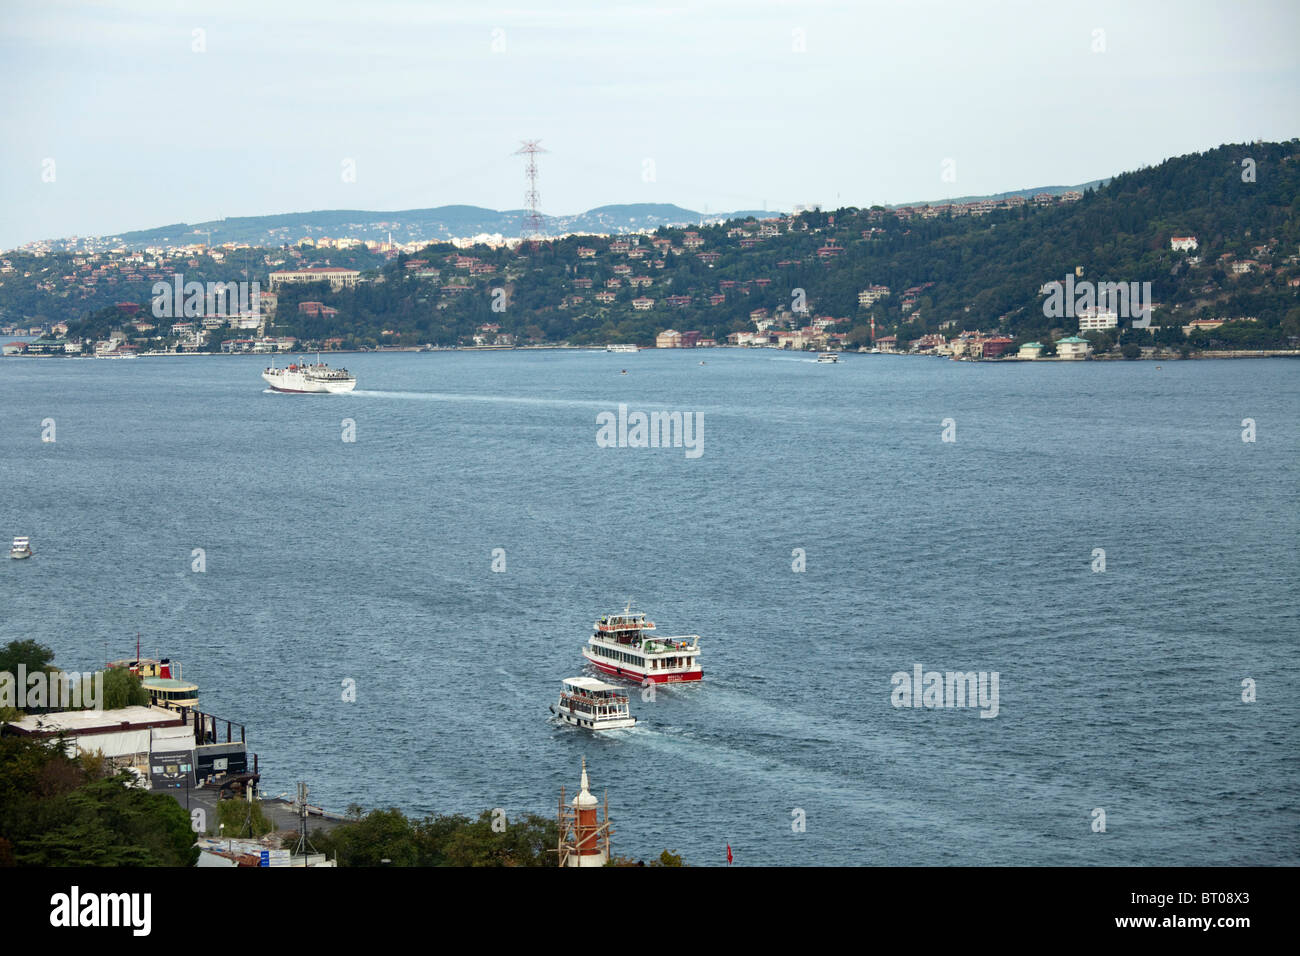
(327, 561)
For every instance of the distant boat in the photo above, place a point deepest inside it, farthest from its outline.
(309, 379)
(593, 704)
(828, 358)
(21, 548)
(621, 348)
(162, 679)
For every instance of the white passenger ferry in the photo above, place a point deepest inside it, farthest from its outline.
(22, 548)
(587, 702)
(828, 358)
(622, 347)
(309, 378)
(623, 645)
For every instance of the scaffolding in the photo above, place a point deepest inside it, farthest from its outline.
(571, 837)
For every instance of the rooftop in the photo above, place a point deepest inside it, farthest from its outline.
(168, 683)
(588, 683)
(75, 722)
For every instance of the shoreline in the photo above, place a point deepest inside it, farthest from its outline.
(1162, 357)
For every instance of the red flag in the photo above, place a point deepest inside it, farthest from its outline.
(728, 852)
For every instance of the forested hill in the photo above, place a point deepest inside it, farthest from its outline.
(943, 271)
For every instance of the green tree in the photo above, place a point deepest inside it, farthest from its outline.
(32, 655)
(123, 689)
(440, 840)
(242, 819)
(58, 810)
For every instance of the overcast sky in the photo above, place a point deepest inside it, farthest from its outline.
(145, 114)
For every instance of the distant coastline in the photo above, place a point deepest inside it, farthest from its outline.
(408, 349)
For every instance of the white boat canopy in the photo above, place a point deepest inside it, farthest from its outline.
(588, 683)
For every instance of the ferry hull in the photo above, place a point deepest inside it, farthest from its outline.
(309, 388)
(587, 723)
(631, 673)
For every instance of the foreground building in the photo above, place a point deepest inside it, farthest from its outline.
(165, 748)
(584, 829)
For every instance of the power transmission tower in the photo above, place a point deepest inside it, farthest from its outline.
(533, 221)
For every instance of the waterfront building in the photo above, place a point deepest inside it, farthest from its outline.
(996, 346)
(1073, 348)
(1031, 350)
(123, 735)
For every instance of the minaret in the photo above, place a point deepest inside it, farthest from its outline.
(584, 837)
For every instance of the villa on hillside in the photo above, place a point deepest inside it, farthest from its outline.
(337, 278)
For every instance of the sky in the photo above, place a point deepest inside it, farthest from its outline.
(125, 115)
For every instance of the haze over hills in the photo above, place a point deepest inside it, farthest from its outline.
(1026, 193)
(441, 223)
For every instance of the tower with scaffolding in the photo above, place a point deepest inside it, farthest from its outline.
(584, 827)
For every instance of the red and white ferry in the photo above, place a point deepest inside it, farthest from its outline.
(624, 645)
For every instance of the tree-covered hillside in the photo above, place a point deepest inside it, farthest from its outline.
(944, 270)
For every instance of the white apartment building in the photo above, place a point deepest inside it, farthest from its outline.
(1098, 319)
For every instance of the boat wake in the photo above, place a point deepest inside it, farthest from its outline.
(491, 399)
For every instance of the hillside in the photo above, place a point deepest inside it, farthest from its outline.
(944, 271)
(406, 225)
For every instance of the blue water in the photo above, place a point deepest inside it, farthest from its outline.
(328, 560)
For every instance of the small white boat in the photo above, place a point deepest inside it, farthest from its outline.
(624, 347)
(21, 548)
(593, 704)
(828, 358)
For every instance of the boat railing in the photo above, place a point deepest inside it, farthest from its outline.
(663, 645)
(609, 705)
(602, 698)
(625, 625)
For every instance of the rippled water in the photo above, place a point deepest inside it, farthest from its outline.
(371, 560)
